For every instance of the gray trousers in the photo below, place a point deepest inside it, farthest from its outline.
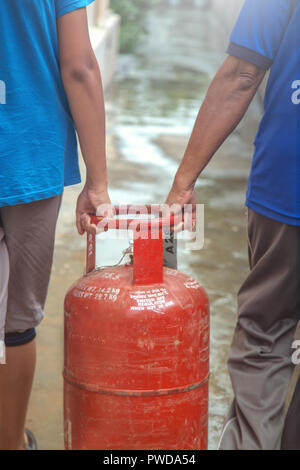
(260, 359)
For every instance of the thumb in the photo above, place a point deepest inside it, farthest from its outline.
(105, 210)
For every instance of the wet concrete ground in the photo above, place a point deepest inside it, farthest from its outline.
(151, 109)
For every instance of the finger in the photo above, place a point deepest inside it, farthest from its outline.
(78, 225)
(101, 229)
(87, 225)
(188, 222)
(104, 224)
(105, 210)
(177, 228)
(91, 229)
(171, 209)
(194, 220)
(101, 224)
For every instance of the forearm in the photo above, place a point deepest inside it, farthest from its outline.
(224, 106)
(85, 95)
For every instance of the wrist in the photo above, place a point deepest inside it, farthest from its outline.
(98, 185)
(184, 182)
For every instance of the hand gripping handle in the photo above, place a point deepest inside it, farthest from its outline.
(147, 241)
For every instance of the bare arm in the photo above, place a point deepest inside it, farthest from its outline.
(224, 106)
(82, 82)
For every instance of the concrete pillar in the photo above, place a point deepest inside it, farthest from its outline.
(227, 12)
(91, 11)
(104, 32)
(103, 9)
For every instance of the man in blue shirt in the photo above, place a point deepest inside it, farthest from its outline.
(266, 36)
(49, 83)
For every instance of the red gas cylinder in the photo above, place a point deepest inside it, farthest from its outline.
(136, 354)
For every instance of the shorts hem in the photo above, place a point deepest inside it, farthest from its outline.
(28, 322)
(19, 339)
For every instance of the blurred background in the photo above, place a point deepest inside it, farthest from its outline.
(157, 59)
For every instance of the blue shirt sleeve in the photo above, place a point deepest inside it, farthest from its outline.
(66, 6)
(259, 30)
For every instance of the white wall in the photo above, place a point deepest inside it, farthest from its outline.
(227, 11)
(104, 32)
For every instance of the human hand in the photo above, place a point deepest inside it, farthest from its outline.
(92, 201)
(178, 197)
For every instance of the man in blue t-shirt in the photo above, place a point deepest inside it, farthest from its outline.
(49, 83)
(266, 36)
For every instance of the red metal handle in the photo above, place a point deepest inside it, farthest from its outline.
(147, 251)
(140, 224)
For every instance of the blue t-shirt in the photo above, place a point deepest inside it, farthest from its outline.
(38, 147)
(267, 34)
